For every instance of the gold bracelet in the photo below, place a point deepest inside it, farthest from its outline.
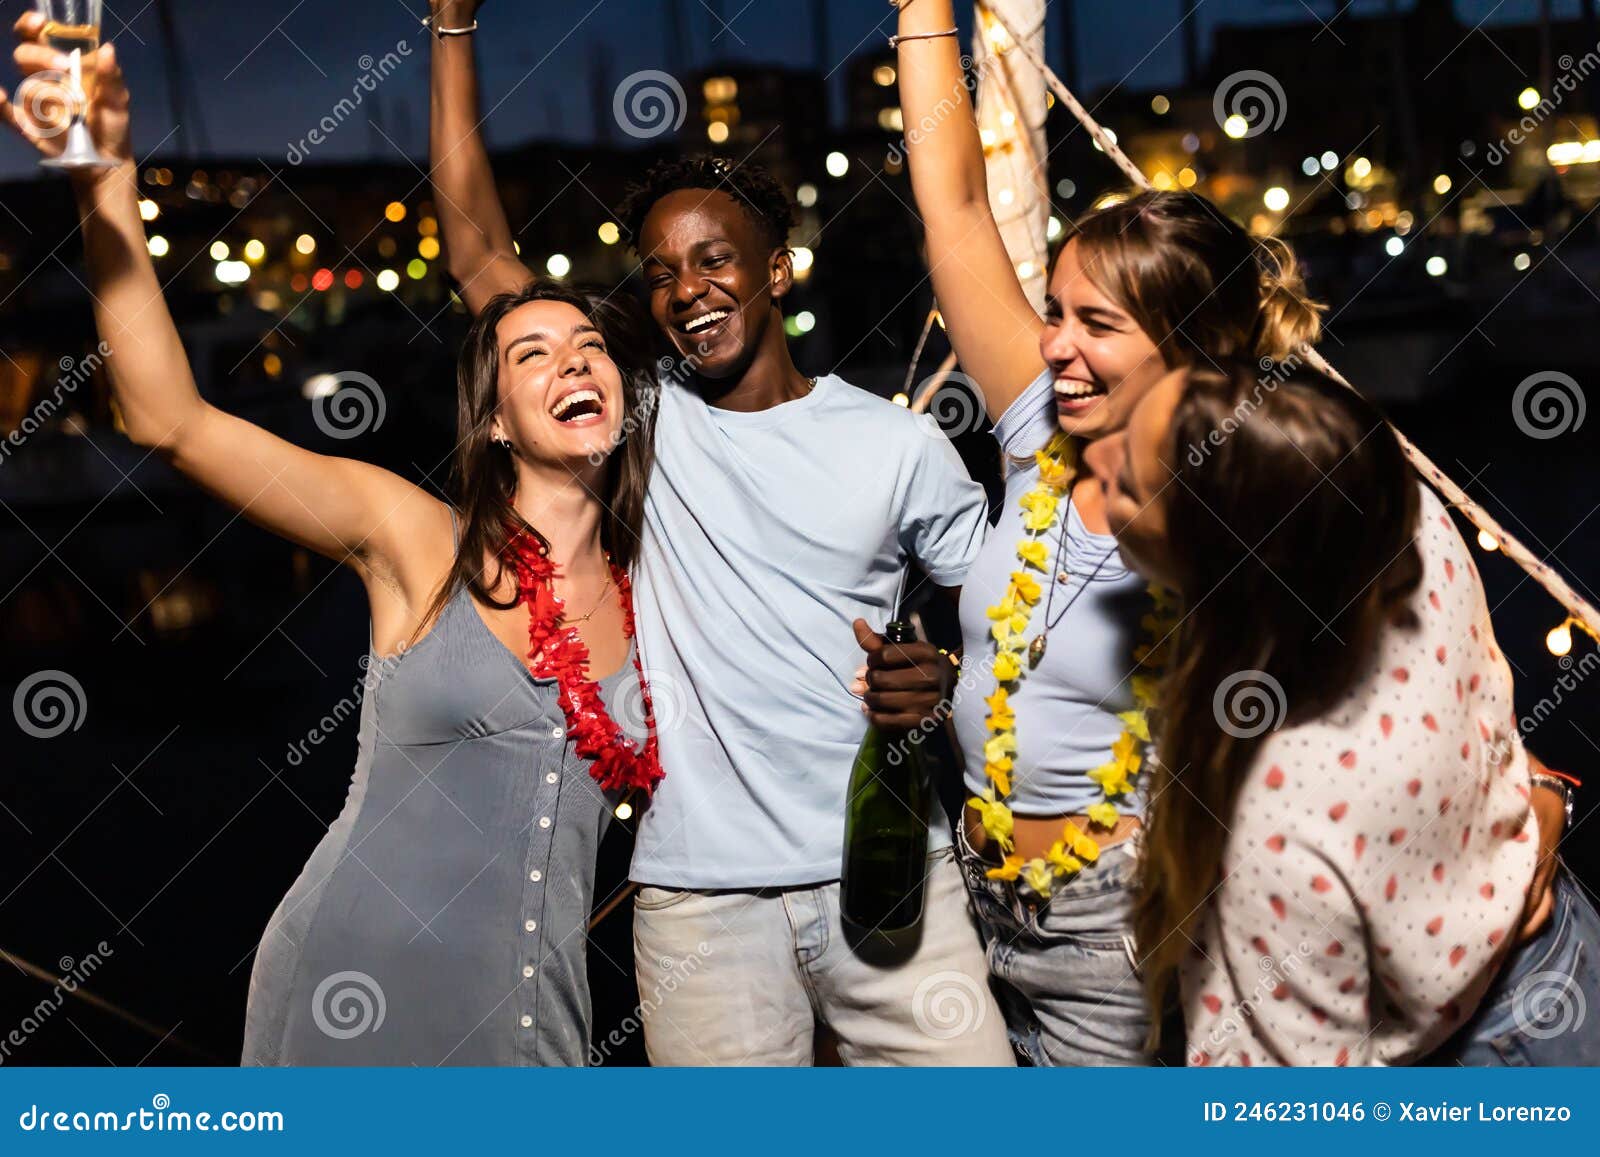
(894, 41)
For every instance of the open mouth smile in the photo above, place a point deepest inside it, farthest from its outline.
(1074, 394)
(705, 321)
(578, 407)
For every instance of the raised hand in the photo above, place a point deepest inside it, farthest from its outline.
(41, 107)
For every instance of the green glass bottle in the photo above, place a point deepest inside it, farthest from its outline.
(886, 825)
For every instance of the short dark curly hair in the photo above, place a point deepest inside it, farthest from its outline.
(753, 186)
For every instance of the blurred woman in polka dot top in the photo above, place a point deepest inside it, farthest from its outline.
(1342, 860)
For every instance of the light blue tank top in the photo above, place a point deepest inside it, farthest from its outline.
(1066, 707)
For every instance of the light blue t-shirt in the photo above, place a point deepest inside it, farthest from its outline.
(765, 535)
(1065, 707)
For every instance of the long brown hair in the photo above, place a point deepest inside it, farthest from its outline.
(483, 483)
(1291, 517)
(1200, 286)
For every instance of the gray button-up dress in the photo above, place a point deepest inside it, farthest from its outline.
(441, 919)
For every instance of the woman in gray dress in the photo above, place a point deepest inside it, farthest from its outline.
(441, 920)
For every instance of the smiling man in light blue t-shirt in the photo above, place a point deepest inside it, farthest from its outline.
(780, 516)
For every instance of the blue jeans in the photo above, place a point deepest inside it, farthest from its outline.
(1542, 1007)
(1069, 986)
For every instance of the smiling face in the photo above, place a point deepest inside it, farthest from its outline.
(1134, 468)
(559, 393)
(1102, 362)
(713, 278)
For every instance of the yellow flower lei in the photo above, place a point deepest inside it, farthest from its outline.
(1010, 618)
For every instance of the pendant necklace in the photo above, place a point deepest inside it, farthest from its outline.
(1037, 647)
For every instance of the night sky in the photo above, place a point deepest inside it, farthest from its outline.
(266, 72)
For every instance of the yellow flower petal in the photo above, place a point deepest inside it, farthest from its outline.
(999, 747)
(1008, 870)
(1136, 724)
(1003, 720)
(1112, 778)
(1127, 752)
(1062, 860)
(1026, 586)
(1080, 843)
(1006, 666)
(1104, 814)
(1033, 552)
(999, 774)
(1038, 875)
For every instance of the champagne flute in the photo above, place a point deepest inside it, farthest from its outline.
(72, 27)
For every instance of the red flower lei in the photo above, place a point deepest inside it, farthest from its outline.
(617, 763)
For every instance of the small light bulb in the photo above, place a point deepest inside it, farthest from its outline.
(1559, 640)
(624, 810)
(1487, 540)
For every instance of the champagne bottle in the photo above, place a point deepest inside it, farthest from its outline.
(886, 825)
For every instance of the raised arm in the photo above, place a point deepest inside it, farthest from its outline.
(478, 246)
(992, 325)
(348, 510)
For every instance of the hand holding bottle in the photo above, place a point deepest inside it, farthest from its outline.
(901, 684)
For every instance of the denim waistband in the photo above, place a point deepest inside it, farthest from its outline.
(1111, 872)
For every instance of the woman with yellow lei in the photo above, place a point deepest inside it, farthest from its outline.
(1063, 642)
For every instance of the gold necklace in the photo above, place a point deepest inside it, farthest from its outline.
(593, 609)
